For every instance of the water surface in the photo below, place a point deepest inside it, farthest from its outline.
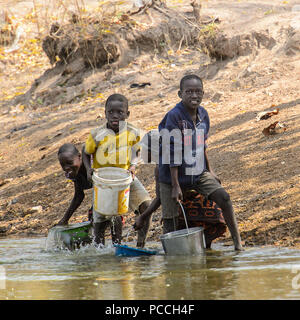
(28, 271)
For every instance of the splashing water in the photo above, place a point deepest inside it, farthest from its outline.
(55, 239)
(69, 237)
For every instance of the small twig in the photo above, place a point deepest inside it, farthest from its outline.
(164, 76)
(36, 16)
(147, 6)
(150, 16)
(137, 11)
(180, 43)
(161, 11)
(179, 14)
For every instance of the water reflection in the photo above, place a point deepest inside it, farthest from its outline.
(90, 273)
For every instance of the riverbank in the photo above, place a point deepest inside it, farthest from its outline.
(260, 172)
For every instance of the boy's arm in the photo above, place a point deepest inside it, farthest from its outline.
(170, 123)
(134, 161)
(88, 150)
(209, 168)
(75, 203)
(86, 159)
(176, 190)
(155, 204)
(135, 153)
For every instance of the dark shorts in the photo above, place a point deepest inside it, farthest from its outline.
(205, 185)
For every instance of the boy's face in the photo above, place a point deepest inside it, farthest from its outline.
(115, 112)
(191, 94)
(70, 163)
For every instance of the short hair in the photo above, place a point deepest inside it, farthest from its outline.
(189, 77)
(117, 97)
(68, 148)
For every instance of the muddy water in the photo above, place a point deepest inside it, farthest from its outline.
(28, 271)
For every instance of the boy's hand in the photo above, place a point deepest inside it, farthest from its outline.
(132, 170)
(176, 193)
(62, 222)
(139, 223)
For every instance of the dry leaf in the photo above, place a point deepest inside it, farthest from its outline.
(274, 128)
(54, 136)
(266, 114)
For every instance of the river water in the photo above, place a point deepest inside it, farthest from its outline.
(29, 271)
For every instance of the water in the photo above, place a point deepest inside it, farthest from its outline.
(28, 271)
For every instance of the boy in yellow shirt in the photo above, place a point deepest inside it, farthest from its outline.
(115, 144)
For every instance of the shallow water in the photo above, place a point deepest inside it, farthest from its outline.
(28, 271)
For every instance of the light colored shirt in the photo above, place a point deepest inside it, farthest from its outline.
(110, 149)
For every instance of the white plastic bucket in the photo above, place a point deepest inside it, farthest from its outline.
(111, 189)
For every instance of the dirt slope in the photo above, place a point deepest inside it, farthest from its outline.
(260, 172)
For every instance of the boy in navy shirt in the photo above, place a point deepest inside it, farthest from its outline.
(183, 161)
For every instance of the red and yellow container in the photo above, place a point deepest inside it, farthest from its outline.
(111, 190)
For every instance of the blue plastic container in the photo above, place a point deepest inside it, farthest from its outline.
(125, 251)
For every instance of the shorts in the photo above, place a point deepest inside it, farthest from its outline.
(138, 195)
(205, 185)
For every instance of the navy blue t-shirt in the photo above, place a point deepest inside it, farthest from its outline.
(182, 144)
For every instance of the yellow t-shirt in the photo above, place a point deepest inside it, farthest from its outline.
(110, 149)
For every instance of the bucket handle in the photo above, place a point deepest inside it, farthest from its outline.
(187, 227)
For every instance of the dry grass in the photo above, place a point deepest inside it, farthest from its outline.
(64, 11)
(43, 13)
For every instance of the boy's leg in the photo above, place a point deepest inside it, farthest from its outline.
(170, 225)
(210, 187)
(169, 208)
(116, 230)
(100, 223)
(139, 201)
(99, 231)
(90, 214)
(222, 199)
(143, 232)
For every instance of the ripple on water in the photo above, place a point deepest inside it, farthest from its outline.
(256, 273)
